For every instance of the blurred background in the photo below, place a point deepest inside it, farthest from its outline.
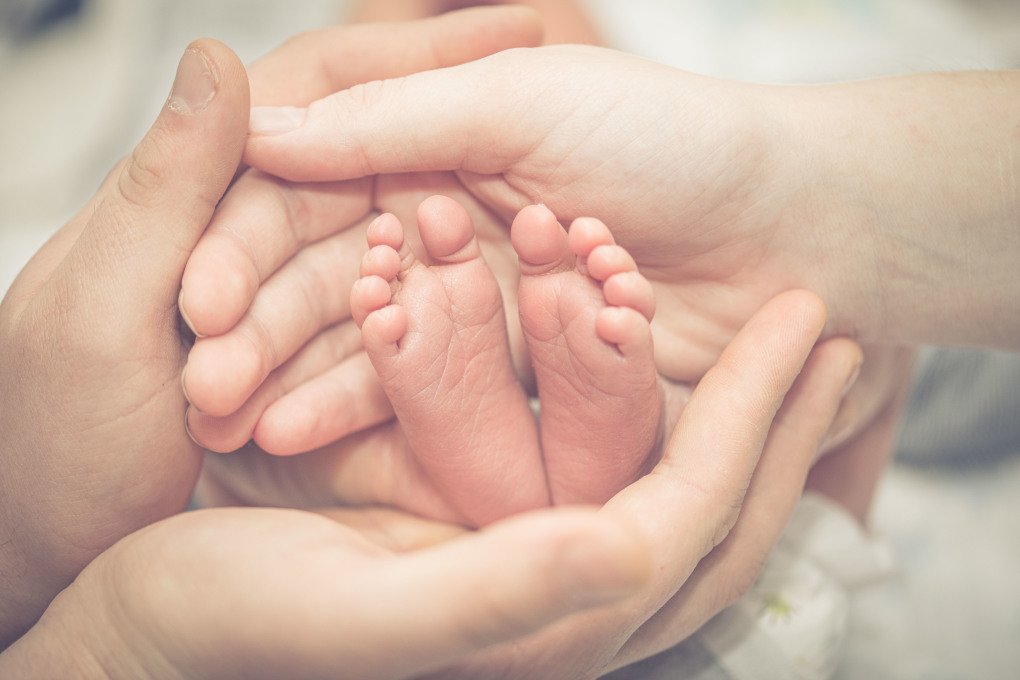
(82, 80)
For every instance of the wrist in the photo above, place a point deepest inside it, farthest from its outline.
(912, 201)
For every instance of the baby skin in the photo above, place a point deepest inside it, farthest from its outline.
(435, 330)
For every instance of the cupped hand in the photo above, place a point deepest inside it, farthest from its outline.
(291, 373)
(94, 444)
(882, 196)
(712, 509)
(91, 407)
(684, 169)
(705, 182)
(278, 260)
(364, 595)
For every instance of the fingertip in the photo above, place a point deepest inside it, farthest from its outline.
(515, 24)
(211, 76)
(214, 295)
(805, 307)
(218, 377)
(182, 308)
(285, 431)
(220, 435)
(163, 196)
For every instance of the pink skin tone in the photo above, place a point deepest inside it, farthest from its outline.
(435, 330)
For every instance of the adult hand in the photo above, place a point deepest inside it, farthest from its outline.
(729, 479)
(565, 21)
(94, 445)
(263, 593)
(222, 278)
(91, 410)
(295, 245)
(882, 196)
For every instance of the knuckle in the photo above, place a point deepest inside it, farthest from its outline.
(140, 180)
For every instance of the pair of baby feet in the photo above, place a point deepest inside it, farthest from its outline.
(436, 332)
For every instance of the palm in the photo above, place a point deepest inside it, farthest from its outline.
(123, 393)
(674, 163)
(699, 222)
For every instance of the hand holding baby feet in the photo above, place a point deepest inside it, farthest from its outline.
(585, 311)
(435, 330)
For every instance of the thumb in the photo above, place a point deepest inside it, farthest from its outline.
(455, 118)
(152, 209)
(500, 584)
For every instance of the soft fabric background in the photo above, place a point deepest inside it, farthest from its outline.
(77, 94)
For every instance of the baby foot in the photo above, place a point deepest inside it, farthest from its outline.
(585, 311)
(436, 333)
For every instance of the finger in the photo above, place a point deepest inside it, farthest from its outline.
(687, 504)
(257, 227)
(315, 64)
(159, 203)
(690, 501)
(792, 446)
(342, 400)
(325, 357)
(850, 474)
(312, 598)
(448, 119)
(222, 276)
(310, 293)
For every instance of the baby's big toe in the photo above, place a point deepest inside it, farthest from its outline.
(447, 231)
(540, 241)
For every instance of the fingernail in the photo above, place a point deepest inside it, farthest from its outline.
(275, 120)
(187, 425)
(195, 84)
(184, 314)
(184, 388)
(851, 380)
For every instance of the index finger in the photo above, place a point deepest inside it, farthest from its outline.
(313, 64)
(691, 500)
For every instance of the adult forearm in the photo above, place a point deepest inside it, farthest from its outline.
(915, 201)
